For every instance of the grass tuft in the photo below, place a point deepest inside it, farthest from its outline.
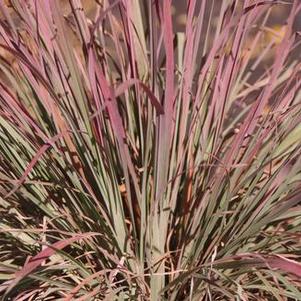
(150, 150)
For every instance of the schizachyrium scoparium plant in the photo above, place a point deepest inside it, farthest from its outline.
(143, 159)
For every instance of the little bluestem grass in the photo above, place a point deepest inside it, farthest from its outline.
(145, 161)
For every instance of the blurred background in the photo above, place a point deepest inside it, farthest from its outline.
(273, 31)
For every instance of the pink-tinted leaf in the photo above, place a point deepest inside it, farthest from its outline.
(168, 41)
(127, 84)
(285, 264)
(97, 76)
(33, 162)
(258, 260)
(38, 259)
(166, 119)
(103, 15)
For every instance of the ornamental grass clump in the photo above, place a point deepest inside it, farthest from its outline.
(142, 159)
